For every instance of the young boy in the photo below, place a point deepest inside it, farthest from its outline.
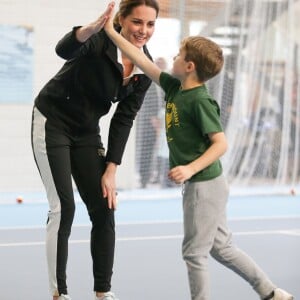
(196, 141)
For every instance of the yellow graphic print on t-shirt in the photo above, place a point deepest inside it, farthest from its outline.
(172, 119)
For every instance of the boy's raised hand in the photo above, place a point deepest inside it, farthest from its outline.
(108, 24)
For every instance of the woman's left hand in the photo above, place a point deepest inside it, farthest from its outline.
(108, 184)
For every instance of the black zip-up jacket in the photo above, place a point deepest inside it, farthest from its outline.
(85, 87)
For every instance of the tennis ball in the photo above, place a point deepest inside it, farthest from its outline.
(19, 200)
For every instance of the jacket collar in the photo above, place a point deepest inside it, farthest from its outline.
(111, 52)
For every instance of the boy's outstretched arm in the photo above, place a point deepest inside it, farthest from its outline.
(133, 53)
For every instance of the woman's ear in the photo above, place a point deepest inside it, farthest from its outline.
(121, 19)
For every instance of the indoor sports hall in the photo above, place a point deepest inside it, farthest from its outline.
(258, 91)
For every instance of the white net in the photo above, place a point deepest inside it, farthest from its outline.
(258, 89)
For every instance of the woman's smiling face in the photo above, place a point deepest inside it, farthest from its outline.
(139, 26)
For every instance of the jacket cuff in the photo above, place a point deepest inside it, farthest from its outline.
(110, 158)
(73, 36)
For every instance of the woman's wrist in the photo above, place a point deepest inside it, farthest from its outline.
(83, 33)
(111, 167)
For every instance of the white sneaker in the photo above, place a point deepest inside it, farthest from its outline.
(107, 296)
(280, 294)
(64, 297)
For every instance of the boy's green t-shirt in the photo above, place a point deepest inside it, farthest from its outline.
(190, 116)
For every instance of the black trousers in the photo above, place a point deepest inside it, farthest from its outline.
(60, 157)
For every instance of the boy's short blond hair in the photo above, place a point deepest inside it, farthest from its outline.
(205, 54)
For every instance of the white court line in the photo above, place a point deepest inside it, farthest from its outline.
(255, 218)
(291, 232)
(89, 225)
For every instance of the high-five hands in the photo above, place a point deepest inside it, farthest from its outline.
(99, 23)
(108, 24)
(85, 32)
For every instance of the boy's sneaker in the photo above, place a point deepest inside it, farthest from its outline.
(107, 296)
(280, 294)
(64, 297)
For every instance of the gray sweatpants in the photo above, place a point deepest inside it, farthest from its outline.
(206, 232)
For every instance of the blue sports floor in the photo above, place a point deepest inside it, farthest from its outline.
(148, 262)
(144, 206)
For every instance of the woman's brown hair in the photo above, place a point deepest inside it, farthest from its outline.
(126, 7)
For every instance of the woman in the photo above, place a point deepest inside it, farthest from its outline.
(66, 135)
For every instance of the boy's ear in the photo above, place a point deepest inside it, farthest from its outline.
(190, 66)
